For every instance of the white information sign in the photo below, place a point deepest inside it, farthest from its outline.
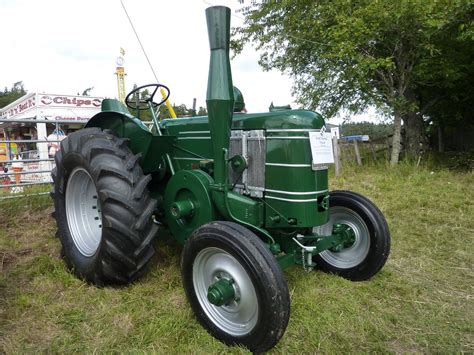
(321, 149)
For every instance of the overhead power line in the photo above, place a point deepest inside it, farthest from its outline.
(140, 42)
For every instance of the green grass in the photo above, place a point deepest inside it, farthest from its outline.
(421, 301)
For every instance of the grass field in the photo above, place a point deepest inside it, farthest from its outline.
(422, 301)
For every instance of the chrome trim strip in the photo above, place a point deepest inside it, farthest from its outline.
(295, 192)
(292, 200)
(183, 138)
(255, 188)
(272, 130)
(199, 159)
(286, 137)
(290, 165)
(194, 132)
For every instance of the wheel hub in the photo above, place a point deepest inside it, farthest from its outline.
(83, 212)
(187, 202)
(355, 241)
(225, 291)
(182, 209)
(221, 292)
(346, 236)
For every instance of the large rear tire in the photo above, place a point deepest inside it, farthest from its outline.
(256, 312)
(102, 208)
(369, 251)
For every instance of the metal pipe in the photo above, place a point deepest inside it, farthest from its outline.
(26, 160)
(26, 172)
(30, 141)
(157, 126)
(220, 93)
(33, 120)
(27, 195)
(25, 184)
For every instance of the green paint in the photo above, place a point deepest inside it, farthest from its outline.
(295, 198)
(346, 237)
(342, 237)
(245, 209)
(153, 148)
(185, 189)
(238, 163)
(286, 260)
(182, 209)
(220, 92)
(221, 292)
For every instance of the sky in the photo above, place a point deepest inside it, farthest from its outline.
(64, 47)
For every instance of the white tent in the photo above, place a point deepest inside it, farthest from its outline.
(64, 109)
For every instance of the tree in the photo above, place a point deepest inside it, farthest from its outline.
(87, 91)
(202, 111)
(180, 110)
(353, 54)
(373, 130)
(10, 95)
(449, 95)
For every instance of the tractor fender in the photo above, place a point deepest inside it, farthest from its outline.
(116, 117)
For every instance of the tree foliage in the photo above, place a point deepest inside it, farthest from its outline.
(9, 95)
(373, 130)
(141, 97)
(202, 111)
(180, 110)
(350, 55)
(87, 92)
(449, 95)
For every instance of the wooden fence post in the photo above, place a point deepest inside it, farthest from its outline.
(357, 153)
(388, 148)
(374, 155)
(337, 158)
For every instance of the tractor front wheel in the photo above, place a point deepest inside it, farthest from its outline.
(102, 208)
(235, 286)
(367, 252)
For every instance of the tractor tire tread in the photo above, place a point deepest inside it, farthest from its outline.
(379, 236)
(267, 276)
(128, 230)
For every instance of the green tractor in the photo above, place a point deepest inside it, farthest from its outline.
(244, 193)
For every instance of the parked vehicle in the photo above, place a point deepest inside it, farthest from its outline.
(245, 194)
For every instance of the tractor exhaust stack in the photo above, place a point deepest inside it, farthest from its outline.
(220, 94)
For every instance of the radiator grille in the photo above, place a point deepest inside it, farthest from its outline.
(252, 146)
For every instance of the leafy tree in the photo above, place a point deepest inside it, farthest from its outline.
(10, 95)
(449, 95)
(353, 54)
(202, 111)
(373, 130)
(180, 110)
(87, 91)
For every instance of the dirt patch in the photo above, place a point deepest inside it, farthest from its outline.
(8, 259)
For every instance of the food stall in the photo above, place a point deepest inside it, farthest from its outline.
(32, 127)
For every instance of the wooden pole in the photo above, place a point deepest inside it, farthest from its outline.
(374, 155)
(337, 158)
(357, 153)
(388, 148)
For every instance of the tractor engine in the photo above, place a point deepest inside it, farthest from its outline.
(270, 161)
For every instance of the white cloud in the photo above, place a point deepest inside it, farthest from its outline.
(64, 47)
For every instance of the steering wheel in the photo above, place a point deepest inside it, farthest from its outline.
(138, 98)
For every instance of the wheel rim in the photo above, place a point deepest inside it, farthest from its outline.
(83, 212)
(239, 316)
(358, 251)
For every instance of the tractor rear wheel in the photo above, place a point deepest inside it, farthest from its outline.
(369, 250)
(102, 208)
(235, 286)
